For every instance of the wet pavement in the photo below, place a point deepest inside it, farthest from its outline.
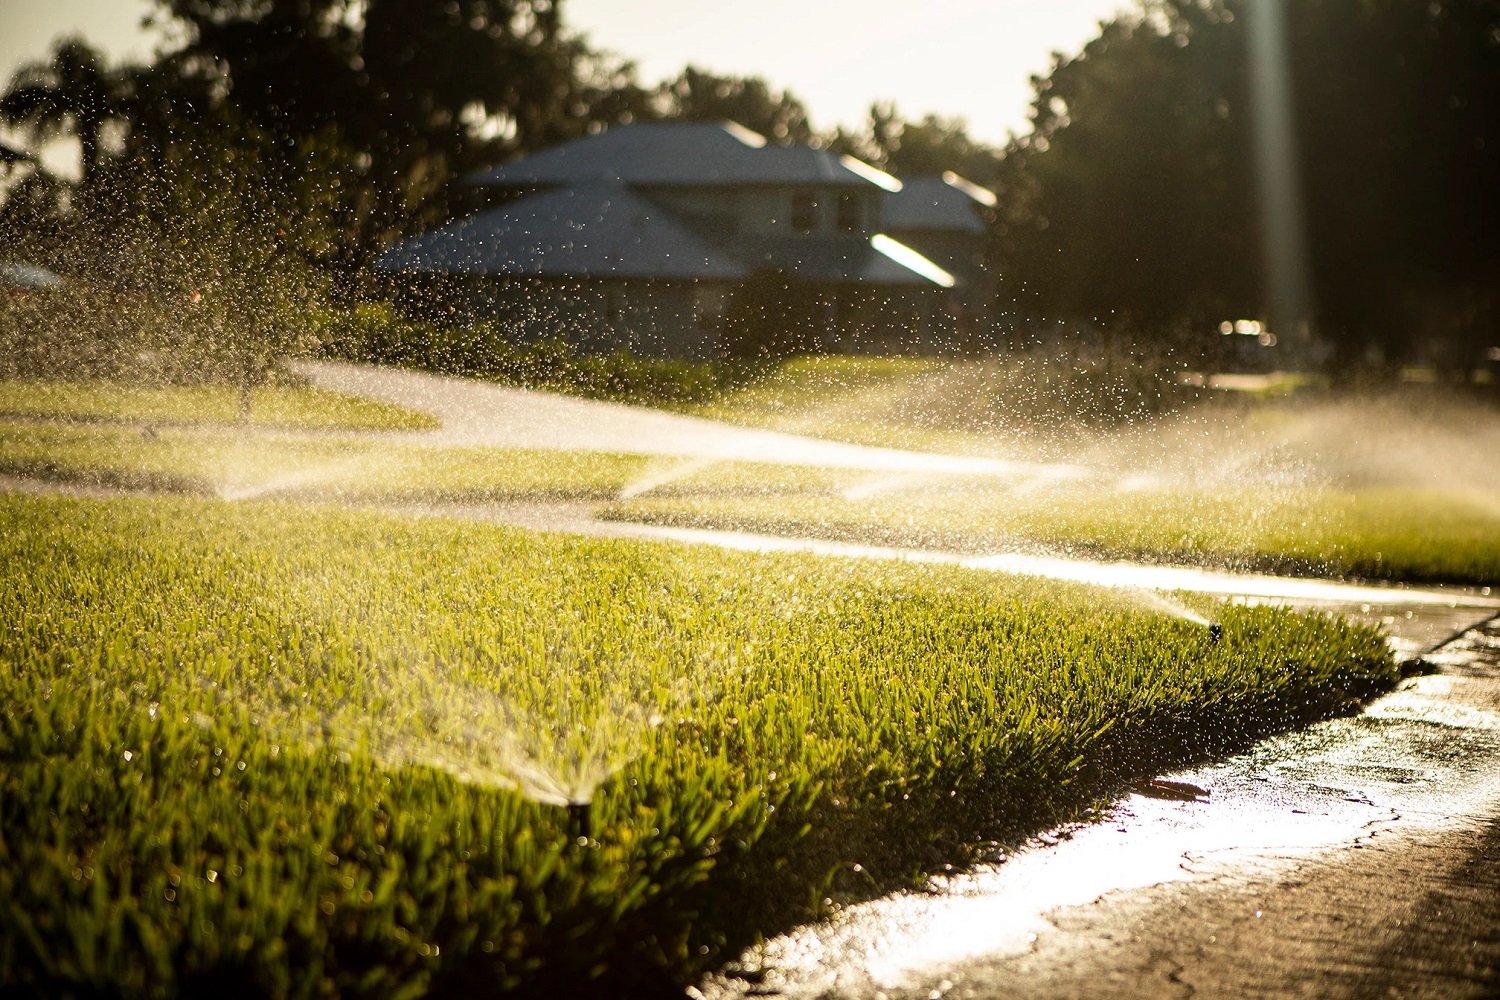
(1358, 857)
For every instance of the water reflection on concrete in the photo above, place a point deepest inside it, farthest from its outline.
(1418, 764)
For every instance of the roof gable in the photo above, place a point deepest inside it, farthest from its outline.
(592, 230)
(693, 154)
(948, 202)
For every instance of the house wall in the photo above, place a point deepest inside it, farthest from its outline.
(959, 253)
(649, 318)
(866, 320)
(769, 211)
(678, 319)
(682, 318)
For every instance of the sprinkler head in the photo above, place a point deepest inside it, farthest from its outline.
(1215, 632)
(580, 820)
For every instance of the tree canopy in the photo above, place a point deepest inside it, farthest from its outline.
(930, 145)
(698, 95)
(1136, 194)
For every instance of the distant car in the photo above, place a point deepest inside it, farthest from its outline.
(17, 277)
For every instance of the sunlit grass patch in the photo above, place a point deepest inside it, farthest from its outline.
(235, 465)
(1402, 534)
(238, 465)
(257, 746)
(273, 405)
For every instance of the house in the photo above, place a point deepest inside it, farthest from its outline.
(946, 219)
(655, 236)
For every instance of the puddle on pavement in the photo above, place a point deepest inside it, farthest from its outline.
(1423, 759)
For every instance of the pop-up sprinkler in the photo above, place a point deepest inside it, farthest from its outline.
(1215, 632)
(580, 820)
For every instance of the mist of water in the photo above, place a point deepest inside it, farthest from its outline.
(235, 488)
(663, 473)
(1166, 605)
(553, 731)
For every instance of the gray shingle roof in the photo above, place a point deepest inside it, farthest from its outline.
(937, 203)
(584, 210)
(675, 154)
(848, 262)
(591, 230)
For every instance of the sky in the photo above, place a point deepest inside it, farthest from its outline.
(966, 58)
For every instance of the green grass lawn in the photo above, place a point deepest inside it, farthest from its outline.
(1374, 532)
(1394, 486)
(223, 462)
(274, 406)
(292, 749)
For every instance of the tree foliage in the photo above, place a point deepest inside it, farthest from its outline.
(700, 96)
(932, 144)
(422, 90)
(1136, 194)
(73, 91)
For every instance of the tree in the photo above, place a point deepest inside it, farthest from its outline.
(700, 96)
(1398, 121)
(421, 90)
(214, 240)
(1135, 193)
(1127, 202)
(73, 92)
(931, 145)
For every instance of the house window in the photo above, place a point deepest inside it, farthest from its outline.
(848, 213)
(804, 212)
